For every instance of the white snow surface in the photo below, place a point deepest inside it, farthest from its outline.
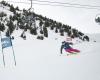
(41, 59)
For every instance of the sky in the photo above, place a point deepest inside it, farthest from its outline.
(82, 19)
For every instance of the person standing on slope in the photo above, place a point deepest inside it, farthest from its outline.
(66, 45)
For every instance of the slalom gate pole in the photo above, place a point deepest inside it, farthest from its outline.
(2, 51)
(13, 54)
(12, 49)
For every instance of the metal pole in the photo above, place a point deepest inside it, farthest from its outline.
(12, 48)
(31, 3)
(13, 52)
(2, 51)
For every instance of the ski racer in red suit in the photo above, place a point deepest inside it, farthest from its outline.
(66, 45)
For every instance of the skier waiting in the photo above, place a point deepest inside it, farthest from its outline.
(66, 45)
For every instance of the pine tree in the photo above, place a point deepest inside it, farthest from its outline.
(33, 31)
(11, 27)
(61, 32)
(12, 9)
(45, 31)
(56, 30)
(52, 26)
(2, 27)
(2, 14)
(40, 24)
(47, 24)
(75, 32)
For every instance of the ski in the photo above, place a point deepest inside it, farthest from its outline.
(73, 53)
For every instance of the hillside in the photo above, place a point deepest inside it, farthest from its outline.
(41, 59)
(13, 19)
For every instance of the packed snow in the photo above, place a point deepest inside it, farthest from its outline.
(41, 59)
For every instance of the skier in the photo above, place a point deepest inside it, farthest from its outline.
(66, 45)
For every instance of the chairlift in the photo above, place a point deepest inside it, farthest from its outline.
(97, 18)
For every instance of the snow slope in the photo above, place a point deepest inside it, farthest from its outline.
(41, 60)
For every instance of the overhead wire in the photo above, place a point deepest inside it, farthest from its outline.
(68, 6)
(60, 4)
(65, 3)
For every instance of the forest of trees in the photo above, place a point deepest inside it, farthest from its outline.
(26, 20)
